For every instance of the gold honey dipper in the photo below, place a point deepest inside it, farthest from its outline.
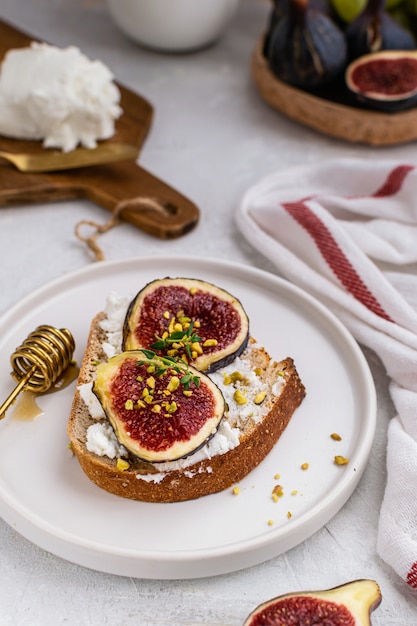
(39, 361)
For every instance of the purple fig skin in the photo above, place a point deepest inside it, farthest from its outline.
(306, 48)
(374, 30)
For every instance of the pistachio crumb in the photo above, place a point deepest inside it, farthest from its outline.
(239, 398)
(277, 476)
(166, 315)
(289, 514)
(260, 397)
(122, 465)
(258, 371)
(129, 405)
(236, 491)
(151, 382)
(278, 491)
(270, 522)
(294, 492)
(193, 291)
(209, 343)
(341, 460)
(336, 437)
(173, 383)
(304, 466)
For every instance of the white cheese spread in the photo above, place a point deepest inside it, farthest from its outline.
(227, 436)
(58, 96)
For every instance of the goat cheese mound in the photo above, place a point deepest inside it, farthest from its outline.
(58, 96)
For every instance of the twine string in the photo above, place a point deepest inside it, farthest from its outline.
(135, 204)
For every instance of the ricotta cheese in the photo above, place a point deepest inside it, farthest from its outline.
(58, 96)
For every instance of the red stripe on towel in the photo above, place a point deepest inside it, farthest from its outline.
(334, 256)
(412, 576)
(394, 181)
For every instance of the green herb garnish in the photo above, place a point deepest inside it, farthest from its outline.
(184, 338)
(163, 363)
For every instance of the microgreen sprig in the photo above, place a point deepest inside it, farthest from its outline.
(185, 337)
(163, 363)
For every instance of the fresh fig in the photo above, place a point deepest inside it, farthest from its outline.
(384, 80)
(279, 9)
(374, 30)
(160, 409)
(306, 48)
(188, 318)
(350, 604)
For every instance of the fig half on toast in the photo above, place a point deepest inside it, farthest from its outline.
(187, 318)
(160, 408)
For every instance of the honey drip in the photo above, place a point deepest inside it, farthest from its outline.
(27, 408)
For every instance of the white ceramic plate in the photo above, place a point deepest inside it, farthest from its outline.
(46, 497)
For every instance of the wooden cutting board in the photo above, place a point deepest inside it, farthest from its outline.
(105, 185)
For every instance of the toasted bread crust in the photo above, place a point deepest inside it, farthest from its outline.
(203, 477)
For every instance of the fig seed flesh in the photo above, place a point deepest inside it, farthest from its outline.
(219, 318)
(155, 420)
(350, 604)
(385, 80)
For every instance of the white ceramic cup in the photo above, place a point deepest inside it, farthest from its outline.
(173, 25)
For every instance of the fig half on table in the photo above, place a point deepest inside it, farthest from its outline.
(187, 318)
(350, 604)
(160, 409)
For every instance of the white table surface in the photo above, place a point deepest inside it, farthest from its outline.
(212, 137)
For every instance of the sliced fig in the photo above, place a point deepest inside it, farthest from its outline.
(384, 80)
(350, 604)
(187, 318)
(160, 409)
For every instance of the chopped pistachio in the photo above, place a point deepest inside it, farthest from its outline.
(226, 379)
(209, 343)
(122, 465)
(129, 405)
(278, 491)
(260, 397)
(341, 460)
(151, 382)
(239, 398)
(173, 384)
(195, 346)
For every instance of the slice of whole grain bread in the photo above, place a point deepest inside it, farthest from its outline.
(165, 483)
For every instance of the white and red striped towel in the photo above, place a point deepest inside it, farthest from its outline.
(346, 232)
